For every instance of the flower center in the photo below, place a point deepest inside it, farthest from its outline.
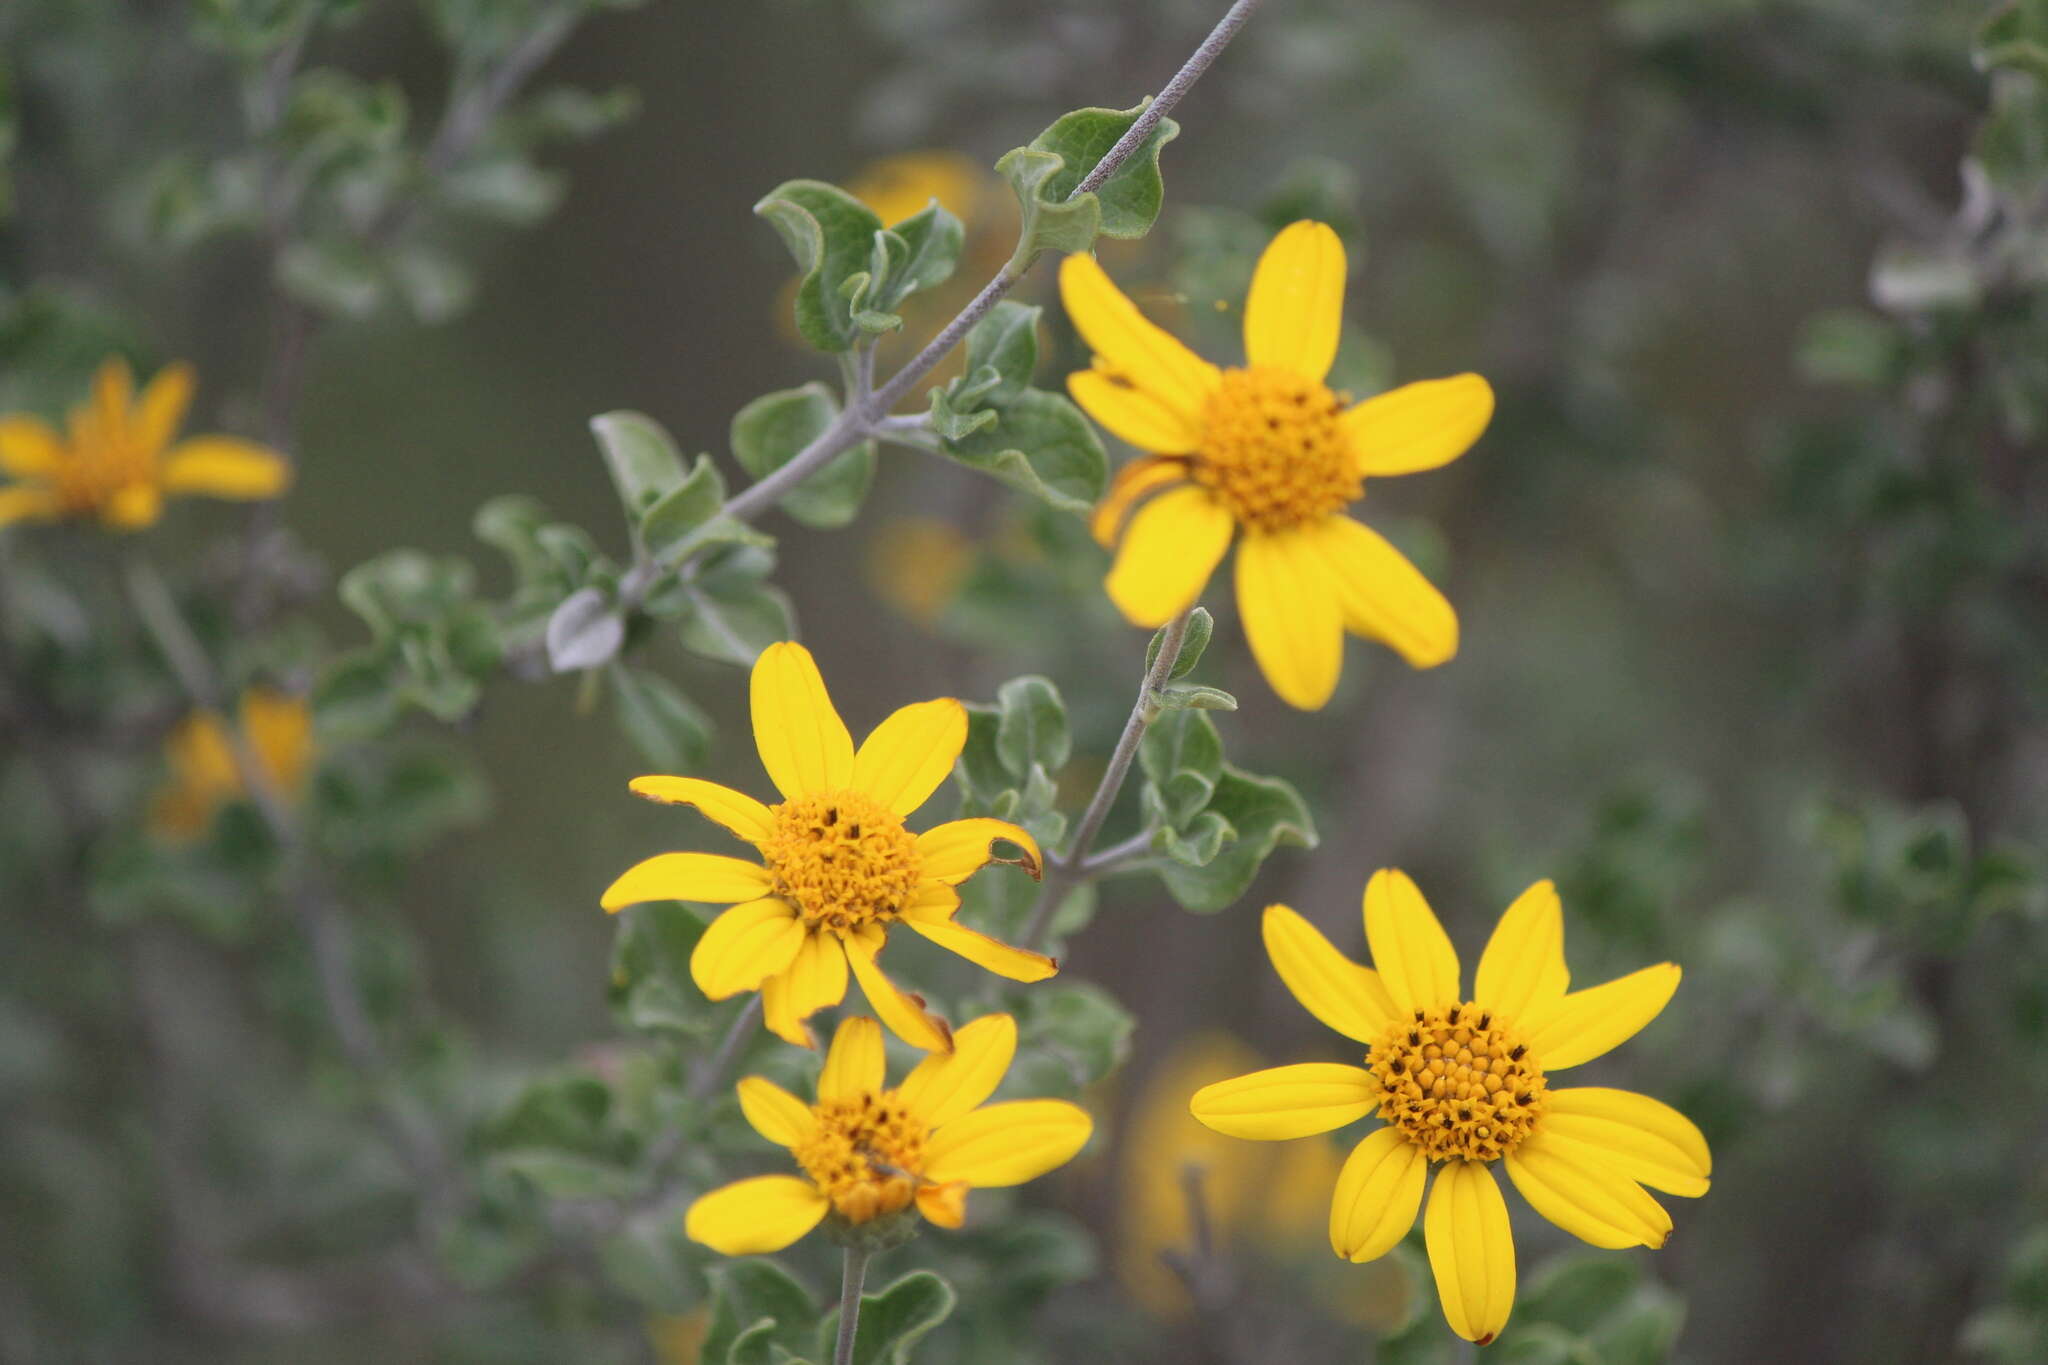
(101, 463)
(865, 1155)
(1458, 1083)
(1272, 449)
(841, 858)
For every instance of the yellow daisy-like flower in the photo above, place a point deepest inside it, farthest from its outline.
(203, 775)
(117, 462)
(837, 866)
(896, 187)
(868, 1152)
(1268, 456)
(1463, 1083)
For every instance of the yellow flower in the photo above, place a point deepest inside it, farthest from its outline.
(917, 565)
(837, 866)
(897, 187)
(1463, 1083)
(868, 1152)
(119, 464)
(203, 774)
(1269, 456)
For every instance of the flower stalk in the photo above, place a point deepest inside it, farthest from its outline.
(852, 1277)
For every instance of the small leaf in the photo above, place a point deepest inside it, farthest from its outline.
(357, 697)
(641, 457)
(1041, 444)
(770, 431)
(746, 1292)
(1047, 171)
(1190, 696)
(733, 625)
(583, 632)
(1201, 625)
(1031, 726)
(1266, 813)
(832, 235)
(668, 729)
(1007, 342)
(679, 513)
(931, 240)
(895, 1320)
(948, 424)
(1200, 842)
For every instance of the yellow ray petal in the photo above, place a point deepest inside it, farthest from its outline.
(1381, 595)
(1295, 309)
(133, 507)
(1471, 1250)
(1152, 360)
(737, 811)
(1287, 1101)
(223, 467)
(113, 391)
(856, 1064)
(775, 1114)
(1643, 1139)
(1573, 1186)
(903, 1011)
(1131, 485)
(804, 745)
(1018, 964)
(1417, 964)
(1007, 1144)
(26, 502)
(1347, 997)
(944, 1086)
(1379, 1192)
(956, 850)
(944, 1205)
(1132, 414)
(905, 758)
(1418, 426)
(709, 878)
(161, 409)
(814, 979)
(745, 946)
(1586, 1024)
(754, 1217)
(29, 447)
(1522, 970)
(1170, 548)
(1291, 616)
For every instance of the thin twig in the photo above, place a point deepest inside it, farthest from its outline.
(709, 1076)
(1114, 857)
(853, 1275)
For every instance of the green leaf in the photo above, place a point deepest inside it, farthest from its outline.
(650, 978)
(931, 242)
(679, 513)
(1189, 697)
(832, 235)
(734, 624)
(1182, 755)
(402, 587)
(768, 432)
(1005, 341)
(1198, 844)
(1031, 726)
(980, 771)
(668, 729)
(952, 424)
(584, 632)
(1047, 171)
(1078, 1027)
(338, 277)
(357, 697)
(1266, 813)
(744, 1294)
(1042, 445)
(895, 1320)
(1201, 625)
(640, 456)
(2015, 38)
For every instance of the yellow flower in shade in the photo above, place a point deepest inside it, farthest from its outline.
(917, 565)
(1268, 456)
(897, 187)
(116, 463)
(837, 866)
(1463, 1083)
(203, 774)
(868, 1152)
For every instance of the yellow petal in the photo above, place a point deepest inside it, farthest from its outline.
(856, 1065)
(1589, 1023)
(775, 1114)
(754, 1217)
(804, 745)
(1018, 964)
(23, 502)
(1418, 426)
(113, 390)
(1296, 306)
(1417, 964)
(709, 878)
(1007, 1144)
(1289, 604)
(953, 852)
(745, 946)
(1347, 997)
(905, 758)
(133, 506)
(1172, 545)
(1471, 1250)
(161, 409)
(1383, 597)
(223, 467)
(1379, 1192)
(1117, 332)
(1522, 970)
(1574, 1187)
(1287, 1101)
(1643, 1139)
(944, 1205)
(903, 1011)
(1132, 414)
(943, 1086)
(1130, 486)
(29, 447)
(737, 811)
(814, 979)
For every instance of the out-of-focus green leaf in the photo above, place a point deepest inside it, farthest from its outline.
(770, 431)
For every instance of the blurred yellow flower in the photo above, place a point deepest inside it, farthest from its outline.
(868, 1152)
(1463, 1083)
(1269, 456)
(837, 866)
(896, 187)
(678, 1338)
(203, 776)
(118, 463)
(917, 565)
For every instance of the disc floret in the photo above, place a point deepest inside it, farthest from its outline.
(842, 859)
(1458, 1082)
(865, 1155)
(1273, 450)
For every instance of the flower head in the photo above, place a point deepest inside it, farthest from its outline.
(1464, 1082)
(838, 866)
(869, 1152)
(1269, 456)
(898, 187)
(203, 774)
(116, 462)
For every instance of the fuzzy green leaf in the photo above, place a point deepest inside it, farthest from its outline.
(832, 236)
(768, 432)
(1031, 726)
(1201, 625)
(1045, 173)
(1041, 444)
(744, 1294)
(1005, 341)
(1266, 813)
(640, 456)
(670, 731)
(895, 1320)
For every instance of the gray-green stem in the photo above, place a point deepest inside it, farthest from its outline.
(853, 1276)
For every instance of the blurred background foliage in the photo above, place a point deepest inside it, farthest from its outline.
(1752, 568)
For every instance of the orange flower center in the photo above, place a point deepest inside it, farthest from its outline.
(1272, 449)
(841, 858)
(101, 465)
(1458, 1083)
(865, 1155)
